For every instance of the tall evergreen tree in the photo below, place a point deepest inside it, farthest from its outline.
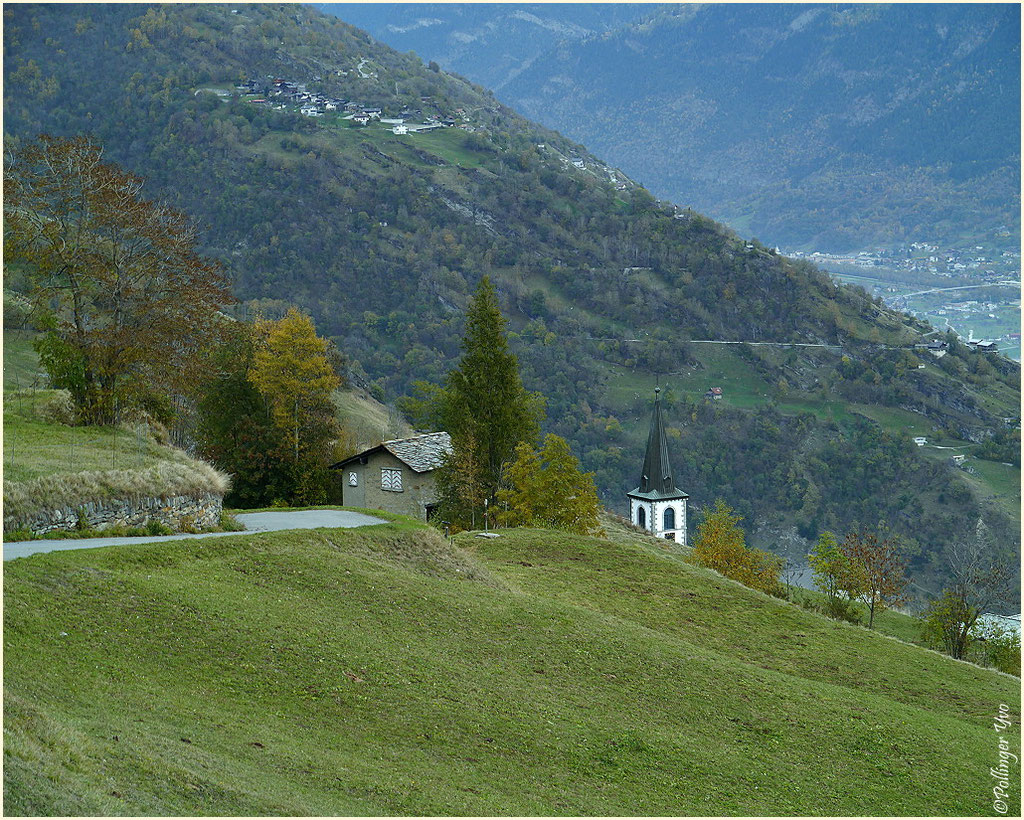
(485, 405)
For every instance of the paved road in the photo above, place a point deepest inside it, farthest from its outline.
(253, 522)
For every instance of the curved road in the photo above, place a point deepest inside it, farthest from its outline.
(253, 522)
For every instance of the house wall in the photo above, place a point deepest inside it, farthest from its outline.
(654, 512)
(418, 489)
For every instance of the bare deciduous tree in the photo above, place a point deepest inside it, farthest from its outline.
(127, 298)
(981, 580)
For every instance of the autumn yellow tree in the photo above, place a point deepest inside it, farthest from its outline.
(292, 371)
(461, 490)
(547, 489)
(721, 545)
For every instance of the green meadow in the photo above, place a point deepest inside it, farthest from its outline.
(385, 671)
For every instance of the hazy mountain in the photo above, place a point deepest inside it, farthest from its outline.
(829, 126)
(487, 42)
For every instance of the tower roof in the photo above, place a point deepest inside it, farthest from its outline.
(656, 480)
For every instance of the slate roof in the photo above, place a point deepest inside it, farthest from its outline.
(654, 495)
(421, 453)
(656, 480)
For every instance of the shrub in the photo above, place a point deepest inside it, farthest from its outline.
(58, 408)
(229, 523)
(155, 527)
(720, 545)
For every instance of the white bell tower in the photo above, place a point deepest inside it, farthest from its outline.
(657, 505)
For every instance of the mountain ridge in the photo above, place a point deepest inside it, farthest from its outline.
(381, 237)
(820, 127)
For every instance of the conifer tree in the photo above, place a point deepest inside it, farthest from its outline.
(485, 402)
(234, 427)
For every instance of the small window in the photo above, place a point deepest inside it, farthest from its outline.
(391, 480)
(353, 479)
(670, 519)
(641, 517)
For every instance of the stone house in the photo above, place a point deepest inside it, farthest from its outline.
(396, 476)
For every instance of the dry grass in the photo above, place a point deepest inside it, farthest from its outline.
(25, 499)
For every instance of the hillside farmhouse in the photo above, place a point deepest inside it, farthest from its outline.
(395, 476)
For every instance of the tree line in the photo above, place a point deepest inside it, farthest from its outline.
(869, 569)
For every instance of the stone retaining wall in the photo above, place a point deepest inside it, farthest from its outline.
(182, 513)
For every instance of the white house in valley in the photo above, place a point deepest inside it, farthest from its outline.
(657, 505)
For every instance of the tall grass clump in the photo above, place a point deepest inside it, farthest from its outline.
(23, 500)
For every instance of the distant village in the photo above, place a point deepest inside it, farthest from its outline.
(980, 262)
(955, 301)
(281, 94)
(288, 95)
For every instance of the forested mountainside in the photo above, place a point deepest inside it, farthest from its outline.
(838, 126)
(382, 237)
(490, 43)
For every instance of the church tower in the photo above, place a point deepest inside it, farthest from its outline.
(657, 505)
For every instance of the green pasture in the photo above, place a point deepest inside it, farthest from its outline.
(381, 671)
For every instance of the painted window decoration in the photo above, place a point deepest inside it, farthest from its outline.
(670, 519)
(391, 480)
(353, 479)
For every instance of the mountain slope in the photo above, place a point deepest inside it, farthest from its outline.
(382, 237)
(380, 671)
(823, 126)
(489, 43)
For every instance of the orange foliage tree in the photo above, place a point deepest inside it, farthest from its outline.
(116, 277)
(883, 570)
(721, 545)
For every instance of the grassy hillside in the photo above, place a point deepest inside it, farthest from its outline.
(368, 421)
(21, 363)
(36, 445)
(36, 442)
(379, 671)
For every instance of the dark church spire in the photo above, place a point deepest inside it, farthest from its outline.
(657, 470)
